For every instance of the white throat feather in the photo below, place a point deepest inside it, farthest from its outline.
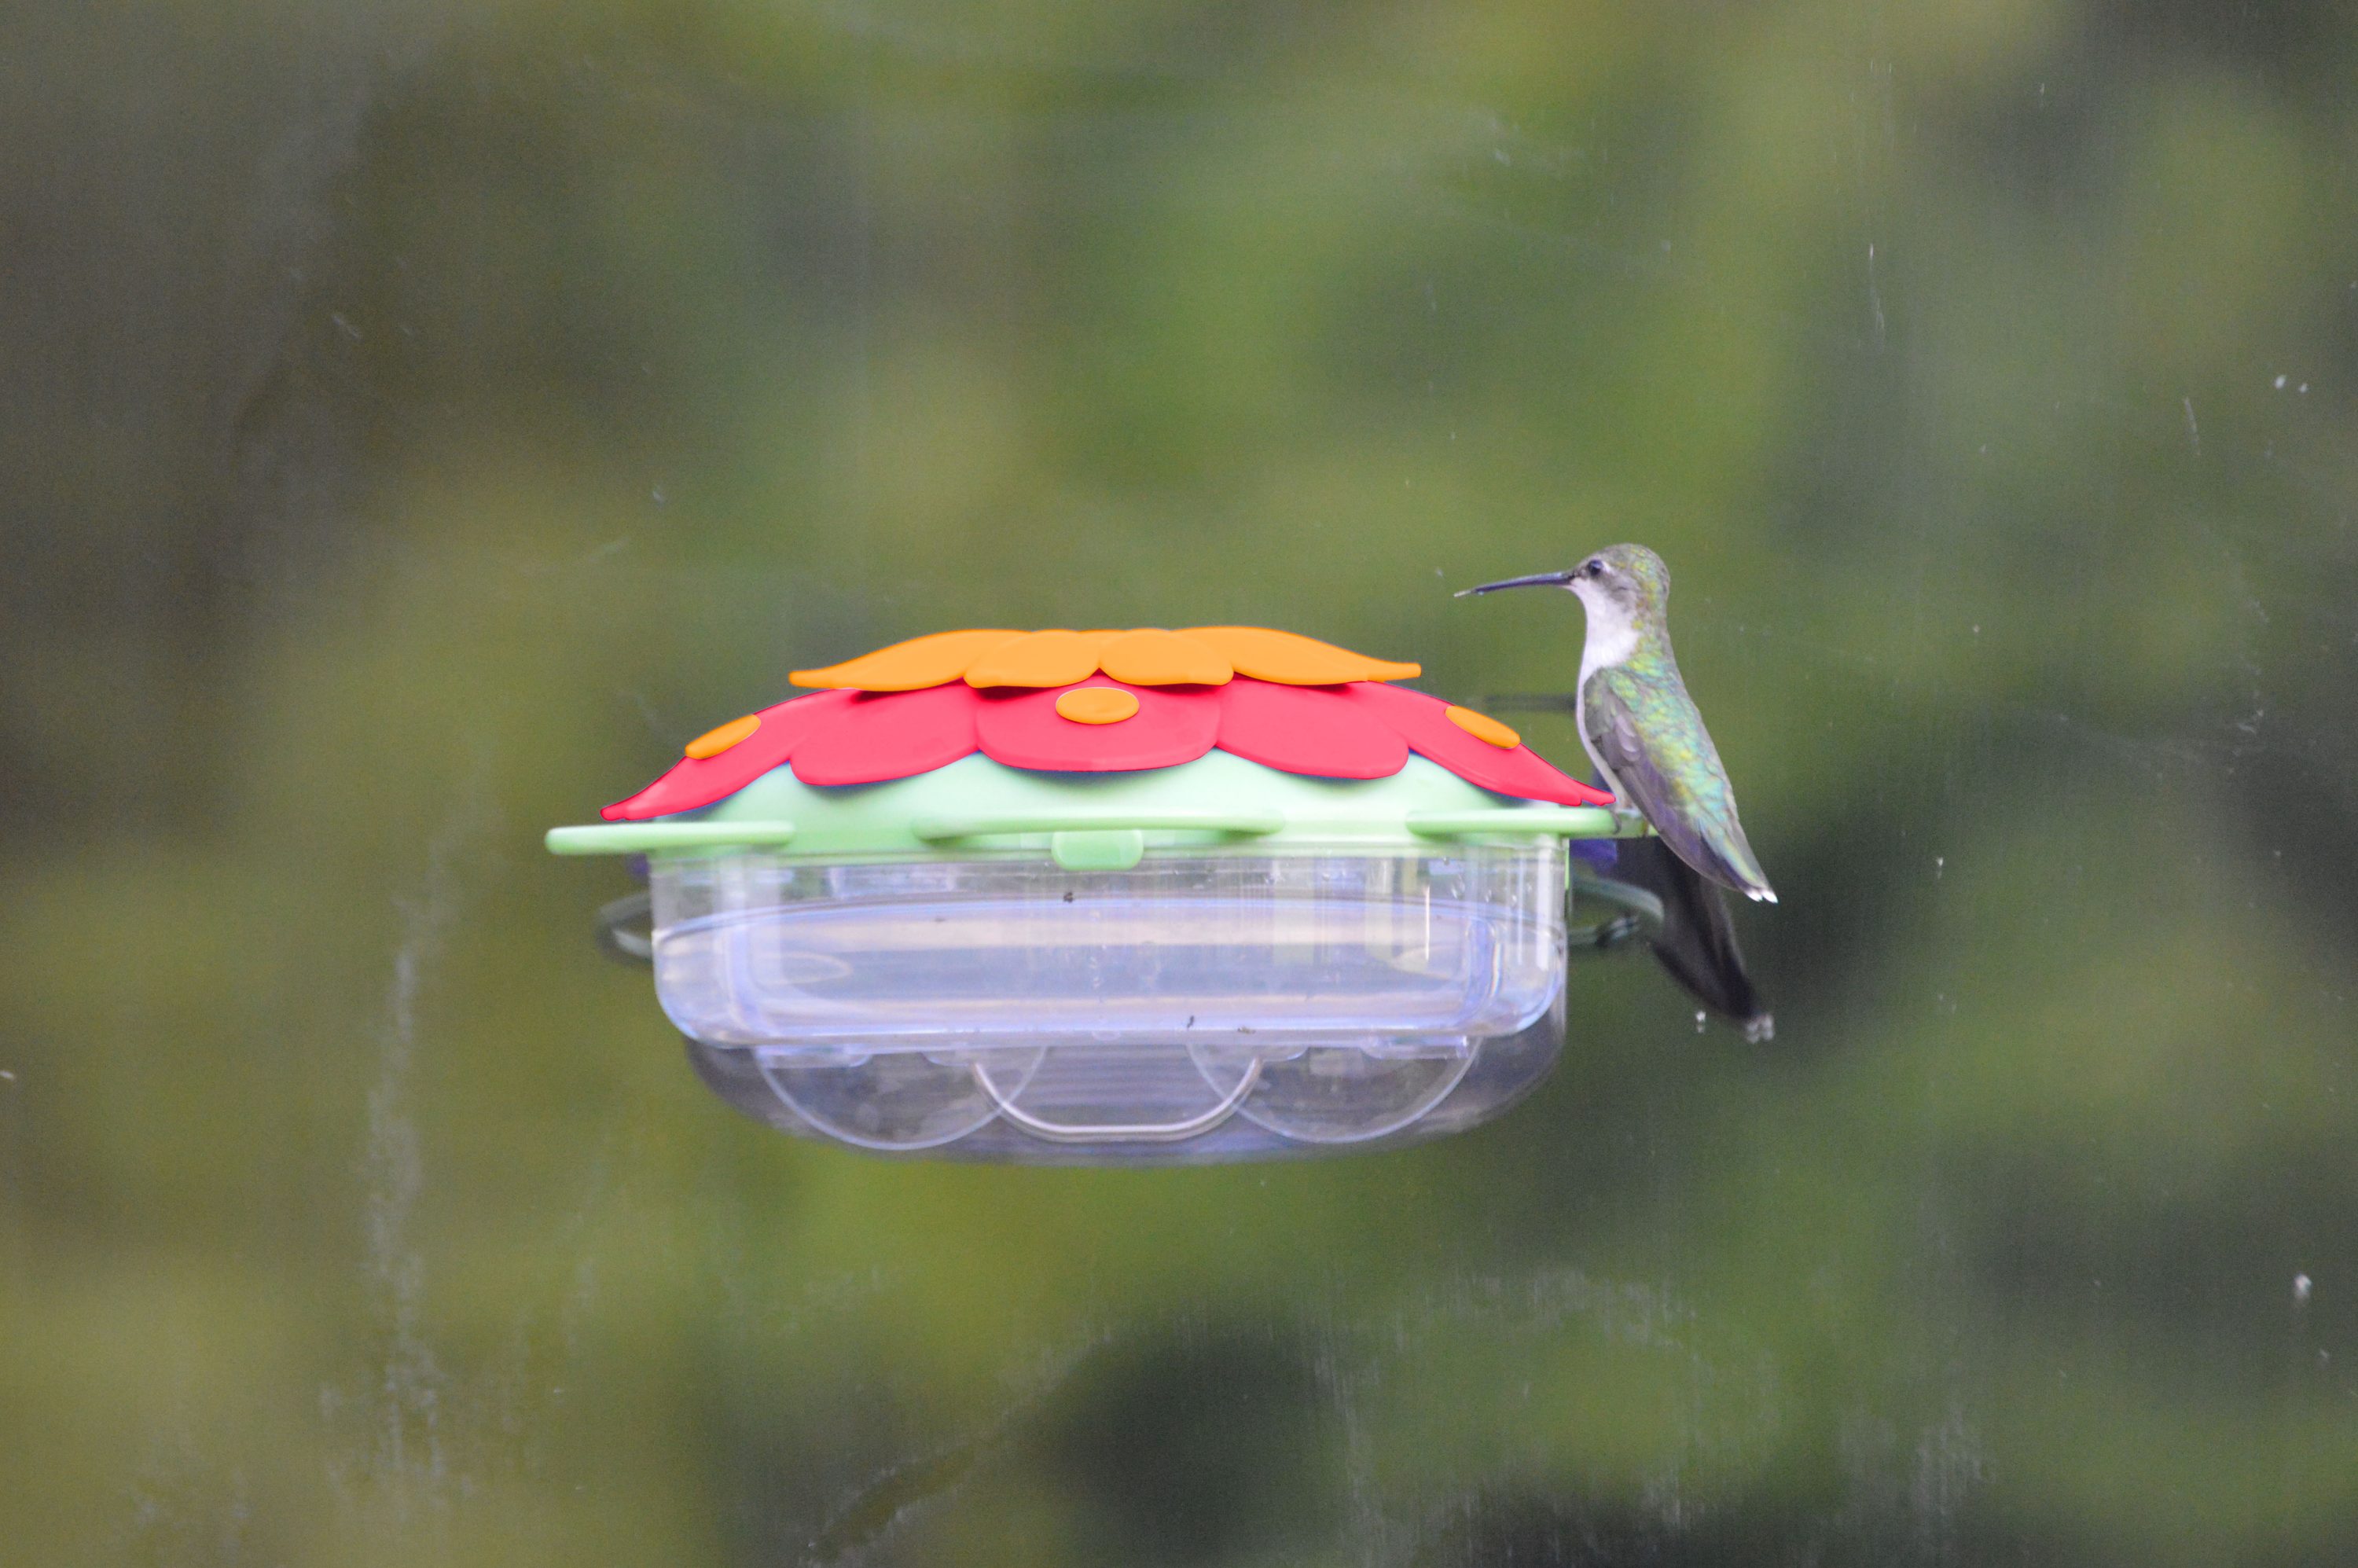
(1611, 635)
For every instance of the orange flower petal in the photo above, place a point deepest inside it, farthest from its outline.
(1155, 657)
(909, 666)
(1038, 658)
(1290, 660)
(712, 742)
(1482, 727)
(1097, 705)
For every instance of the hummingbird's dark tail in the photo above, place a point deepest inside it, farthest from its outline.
(1697, 942)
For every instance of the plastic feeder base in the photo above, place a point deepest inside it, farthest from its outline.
(1166, 1101)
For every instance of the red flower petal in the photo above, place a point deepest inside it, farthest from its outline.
(1172, 725)
(1423, 723)
(702, 781)
(1311, 730)
(890, 735)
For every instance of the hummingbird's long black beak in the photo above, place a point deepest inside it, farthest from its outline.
(1538, 580)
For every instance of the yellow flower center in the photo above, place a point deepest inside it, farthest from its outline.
(1097, 705)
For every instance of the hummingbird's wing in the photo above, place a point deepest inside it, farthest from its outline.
(1648, 735)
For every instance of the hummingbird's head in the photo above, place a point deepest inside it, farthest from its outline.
(1622, 585)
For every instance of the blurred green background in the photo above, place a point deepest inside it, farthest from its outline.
(417, 419)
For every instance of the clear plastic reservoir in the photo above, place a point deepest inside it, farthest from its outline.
(1202, 1004)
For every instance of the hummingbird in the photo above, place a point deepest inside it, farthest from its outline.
(1636, 720)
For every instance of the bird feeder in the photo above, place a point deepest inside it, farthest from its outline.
(1110, 897)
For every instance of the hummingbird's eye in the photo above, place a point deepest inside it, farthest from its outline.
(1594, 568)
